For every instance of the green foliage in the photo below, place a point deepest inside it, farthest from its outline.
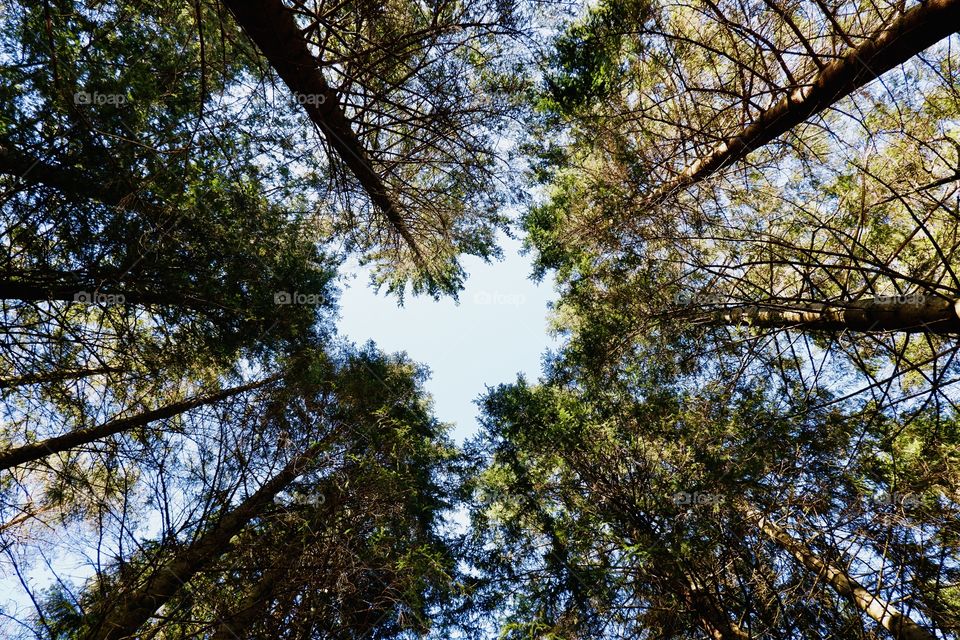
(353, 546)
(148, 150)
(588, 58)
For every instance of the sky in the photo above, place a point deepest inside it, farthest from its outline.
(497, 330)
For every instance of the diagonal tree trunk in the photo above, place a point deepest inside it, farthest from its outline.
(271, 26)
(163, 584)
(917, 29)
(925, 315)
(238, 622)
(900, 626)
(39, 450)
(55, 376)
(36, 171)
(87, 290)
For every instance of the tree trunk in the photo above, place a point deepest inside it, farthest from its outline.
(271, 26)
(92, 291)
(163, 584)
(923, 315)
(919, 28)
(237, 623)
(899, 625)
(55, 376)
(35, 171)
(39, 450)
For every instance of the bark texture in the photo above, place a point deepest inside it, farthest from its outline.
(925, 315)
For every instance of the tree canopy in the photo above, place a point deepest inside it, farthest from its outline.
(749, 210)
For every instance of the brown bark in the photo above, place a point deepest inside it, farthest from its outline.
(69, 288)
(164, 583)
(55, 376)
(881, 611)
(925, 315)
(67, 180)
(272, 28)
(39, 450)
(253, 606)
(917, 29)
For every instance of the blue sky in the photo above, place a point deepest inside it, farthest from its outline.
(497, 330)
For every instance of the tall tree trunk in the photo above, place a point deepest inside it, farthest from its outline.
(271, 26)
(919, 28)
(926, 315)
(91, 291)
(881, 611)
(237, 623)
(67, 180)
(39, 450)
(135, 610)
(55, 376)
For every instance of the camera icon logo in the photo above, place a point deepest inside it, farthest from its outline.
(282, 297)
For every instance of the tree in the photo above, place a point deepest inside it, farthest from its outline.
(884, 613)
(893, 44)
(116, 176)
(408, 98)
(823, 243)
(635, 506)
(165, 214)
(343, 533)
